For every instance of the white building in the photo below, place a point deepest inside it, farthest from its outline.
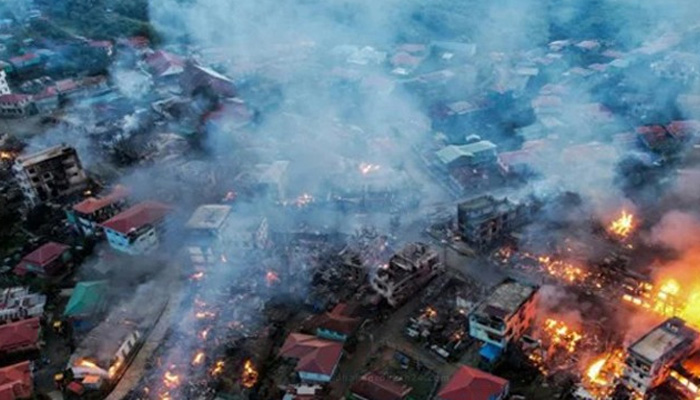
(4, 86)
(651, 358)
(407, 272)
(49, 174)
(16, 105)
(505, 315)
(18, 303)
(135, 231)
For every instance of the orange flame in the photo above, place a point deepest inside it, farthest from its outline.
(171, 380)
(249, 377)
(87, 363)
(197, 276)
(271, 278)
(602, 374)
(623, 226)
(198, 358)
(218, 368)
(669, 299)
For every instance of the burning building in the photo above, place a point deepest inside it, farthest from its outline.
(50, 174)
(87, 215)
(686, 376)
(504, 316)
(136, 230)
(407, 272)
(204, 234)
(651, 358)
(484, 220)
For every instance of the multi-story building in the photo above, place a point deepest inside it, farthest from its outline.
(16, 105)
(406, 273)
(4, 86)
(135, 231)
(484, 220)
(87, 215)
(685, 376)
(651, 358)
(19, 303)
(50, 174)
(205, 230)
(505, 315)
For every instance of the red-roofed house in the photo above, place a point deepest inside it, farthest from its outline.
(16, 382)
(473, 384)
(317, 359)
(654, 137)
(337, 324)
(373, 386)
(135, 230)
(20, 336)
(162, 64)
(16, 105)
(50, 259)
(684, 130)
(89, 213)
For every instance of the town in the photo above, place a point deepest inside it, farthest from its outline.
(213, 201)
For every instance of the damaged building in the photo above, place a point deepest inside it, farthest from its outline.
(485, 220)
(136, 230)
(50, 174)
(407, 272)
(87, 215)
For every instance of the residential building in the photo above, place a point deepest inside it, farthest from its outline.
(163, 65)
(374, 386)
(205, 230)
(303, 392)
(47, 101)
(504, 316)
(407, 272)
(16, 105)
(48, 260)
(197, 79)
(473, 384)
(19, 303)
(651, 358)
(477, 154)
(87, 302)
(337, 324)
(17, 382)
(484, 220)
(136, 230)
(4, 86)
(316, 359)
(272, 180)
(685, 376)
(20, 337)
(50, 174)
(87, 215)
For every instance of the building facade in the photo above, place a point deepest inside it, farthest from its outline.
(406, 273)
(135, 231)
(505, 315)
(87, 215)
(484, 220)
(651, 358)
(50, 175)
(16, 105)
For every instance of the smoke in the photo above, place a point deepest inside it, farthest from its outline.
(677, 230)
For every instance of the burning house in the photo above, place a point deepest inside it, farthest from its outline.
(19, 303)
(50, 174)
(87, 215)
(483, 221)
(503, 317)
(316, 359)
(368, 186)
(685, 376)
(136, 230)
(205, 230)
(407, 272)
(651, 358)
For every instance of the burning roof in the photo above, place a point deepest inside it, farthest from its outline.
(665, 338)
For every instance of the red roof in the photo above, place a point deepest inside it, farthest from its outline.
(14, 98)
(138, 216)
(24, 57)
(67, 85)
(337, 321)
(92, 204)
(653, 135)
(138, 41)
(683, 129)
(373, 386)
(472, 384)
(16, 381)
(46, 254)
(314, 355)
(164, 63)
(20, 335)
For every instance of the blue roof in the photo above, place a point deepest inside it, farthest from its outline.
(490, 352)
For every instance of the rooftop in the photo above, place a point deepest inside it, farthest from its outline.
(47, 154)
(313, 354)
(374, 386)
(86, 298)
(92, 204)
(19, 335)
(16, 382)
(45, 254)
(138, 216)
(664, 338)
(451, 153)
(210, 216)
(473, 384)
(506, 298)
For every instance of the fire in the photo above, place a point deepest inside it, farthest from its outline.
(429, 313)
(623, 226)
(6, 155)
(87, 364)
(218, 368)
(602, 374)
(204, 315)
(249, 376)
(366, 168)
(669, 299)
(304, 200)
(563, 270)
(171, 380)
(562, 335)
(114, 368)
(198, 358)
(203, 334)
(271, 278)
(197, 276)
